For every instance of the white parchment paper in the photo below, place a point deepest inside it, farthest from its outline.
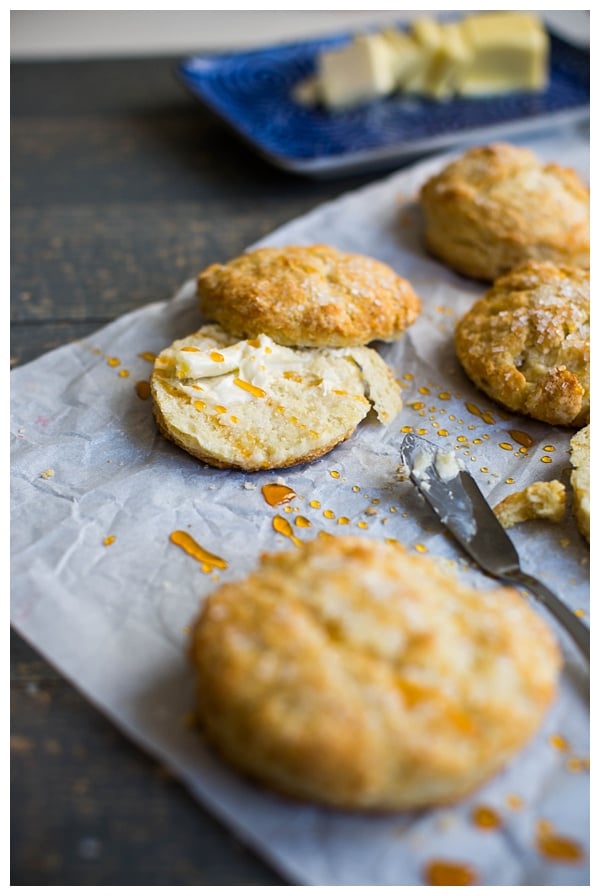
(88, 467)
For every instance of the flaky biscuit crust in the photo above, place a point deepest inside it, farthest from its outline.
(498, 206)
(352, 673)
(526, 343)
(308, 296)
(580, 479)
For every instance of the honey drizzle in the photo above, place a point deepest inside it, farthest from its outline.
(522, 438)
(557, 848)
(276, 493)
(142, 389)
(449, 874)
(185, 541)
(486, 817)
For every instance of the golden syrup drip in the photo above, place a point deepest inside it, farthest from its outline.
(207, 560)
(123, 373)
(275, 493)
(190, 348)
(486, 817)
(217, 357)
(558, 742)
(147, 356)
(282, 526)
(545, 459)
(477, 412)
(521, 437)
(142, 389)
(449, 874)
(248, 387)
(506, 446)
(557, 848)
(113, 362)
(302, 522)
(110, 539)
(514, 801)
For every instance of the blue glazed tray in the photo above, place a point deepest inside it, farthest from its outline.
(253, 92)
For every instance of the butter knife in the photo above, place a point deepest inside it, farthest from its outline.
(456, 499)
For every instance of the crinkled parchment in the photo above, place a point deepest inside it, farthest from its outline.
(102, 592)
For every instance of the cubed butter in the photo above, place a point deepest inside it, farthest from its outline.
(358, 72)
(509, 52)
(407, 55)
(448, 62)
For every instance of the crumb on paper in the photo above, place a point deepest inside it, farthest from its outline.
(47, 474)
(540, 500)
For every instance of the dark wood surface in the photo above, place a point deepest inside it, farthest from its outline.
(122, 188)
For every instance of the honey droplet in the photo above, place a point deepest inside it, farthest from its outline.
(579, 612)
(329, 514)
(282, 526)
(575, 764)
(421, 548)
(486, 817)
(558, 742)
(334, 474)
(514, 801)
(276, 493)
(113, 362)
(316, 504)
(362, 525)
(545, 459)
(424, 390)
(142, 389)
(549, 448)
(217, 357)
(190, 348)
(147, 356)
(477, 412)
(522, 438)
(449, 874)
(558, 849)
(185, 541)
(302, 522)
(343, 521)
(123, 373)
(110, 539)
(444, 396)
(443, 432)
(506, 446)
(199, 405)
(417, 405)
(408, 376)
(255, 343)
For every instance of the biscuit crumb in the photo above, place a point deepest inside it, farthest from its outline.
(540, 500)
(47, 474)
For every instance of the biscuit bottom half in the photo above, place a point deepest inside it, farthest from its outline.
(352, 673)
(256, 405)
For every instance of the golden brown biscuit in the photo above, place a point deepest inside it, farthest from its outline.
(498, 206)
(526, 343)
(538, 501)
(256, 405)
(308, 296)
(353, 673)
(580, 479)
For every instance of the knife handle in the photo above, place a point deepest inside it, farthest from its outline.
(579, 632)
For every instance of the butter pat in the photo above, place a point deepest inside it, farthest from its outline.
(406, 55)
(509, 51)
(356, 73)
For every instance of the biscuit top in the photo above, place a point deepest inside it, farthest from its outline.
(308, 296)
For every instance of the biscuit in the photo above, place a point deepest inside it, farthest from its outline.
(497, 206)
(308, 296)
(353, 673)
(580, 479)
(526, 343)
(538, 501)
(256, 405)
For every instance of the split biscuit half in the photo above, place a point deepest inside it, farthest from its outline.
(256, 405)
(308, 296)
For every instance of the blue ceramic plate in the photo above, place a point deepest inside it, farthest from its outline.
(253, 92)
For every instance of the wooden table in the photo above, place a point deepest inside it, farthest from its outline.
(123, 187)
